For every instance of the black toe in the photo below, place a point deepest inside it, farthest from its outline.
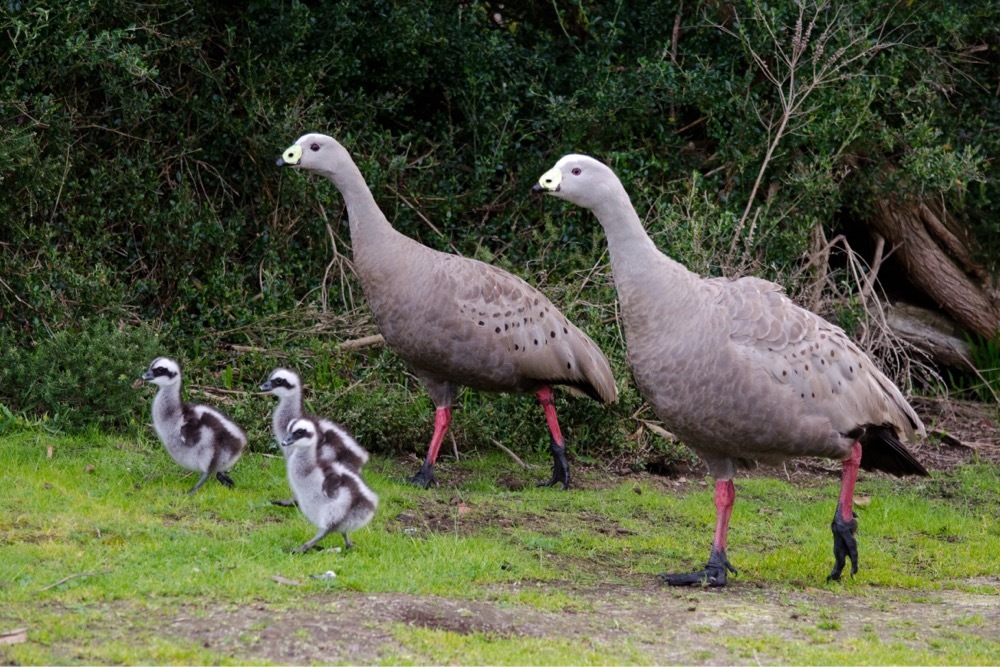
(560, 468)
(424, 477)
(714, 574)
(844, 545)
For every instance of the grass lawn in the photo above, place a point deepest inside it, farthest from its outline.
(103, 559)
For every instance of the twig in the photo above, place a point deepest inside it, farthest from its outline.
(514, 456)
(423, 217)
(73, 576)
(454, 445)
(358, 343)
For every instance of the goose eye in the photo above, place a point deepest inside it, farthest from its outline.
(576, 171)
(314, 148)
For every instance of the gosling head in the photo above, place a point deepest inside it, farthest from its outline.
(282, 382)
(163, 371)
(302, 433)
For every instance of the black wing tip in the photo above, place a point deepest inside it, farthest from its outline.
(881, 449)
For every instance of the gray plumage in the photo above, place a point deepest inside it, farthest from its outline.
(197, 437)
(331, 495)
(455, 321)
(732, 367)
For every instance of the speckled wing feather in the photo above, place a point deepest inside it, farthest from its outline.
(813, 358)
(473, 324)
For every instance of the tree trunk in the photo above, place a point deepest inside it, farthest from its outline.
(935, 334)
(937, 254)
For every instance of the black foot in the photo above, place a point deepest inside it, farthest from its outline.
(714, 573)
(424, 477)
(560, 467)
(226, 480)
(844, 545)
(288, 502)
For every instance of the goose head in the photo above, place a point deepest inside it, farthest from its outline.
(162, 372)
(302, 433)
(282, 382)
(313, 152)
(579, 179)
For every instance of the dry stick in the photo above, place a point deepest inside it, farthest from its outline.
(72, 576)
(454, 445)
(673, 49)
(359, 343)
(512, 455)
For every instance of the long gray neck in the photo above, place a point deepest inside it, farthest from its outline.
(372, 237)
(655, 293)
(639, 267)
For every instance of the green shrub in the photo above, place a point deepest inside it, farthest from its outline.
(81, 378)
(137, 151)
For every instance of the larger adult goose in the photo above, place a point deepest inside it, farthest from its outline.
(738, 372)
(457, 321)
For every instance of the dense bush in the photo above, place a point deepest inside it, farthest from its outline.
(138, 141)
(82, 378)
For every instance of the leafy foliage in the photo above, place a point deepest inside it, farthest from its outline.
(79, 378)
(136, 152)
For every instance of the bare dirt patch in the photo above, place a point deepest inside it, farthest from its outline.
(664, 625)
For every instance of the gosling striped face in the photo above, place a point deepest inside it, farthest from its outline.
(301, 433)
(282, 382)
(162, 372)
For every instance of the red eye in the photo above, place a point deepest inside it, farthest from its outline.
(314, 148)
(576, 171)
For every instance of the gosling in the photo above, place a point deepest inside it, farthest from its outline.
(197, 437)
(331, 495)
(336, 444)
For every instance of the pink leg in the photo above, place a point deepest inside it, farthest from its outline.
(718, 566)
(547, 398)
(425, 476)
(848, 478)
(844, 524)
(442, 419)
(725, 497)
(560, 466)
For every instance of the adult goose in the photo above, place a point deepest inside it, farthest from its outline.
(738, 372)
(457, 321)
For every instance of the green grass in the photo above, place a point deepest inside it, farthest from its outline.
(99, 545)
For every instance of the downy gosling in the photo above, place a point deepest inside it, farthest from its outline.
(197, 437)
(330, 494)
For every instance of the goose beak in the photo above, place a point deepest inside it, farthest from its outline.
(147, 376)
(291, 157)
(550, 181)
(267, 385)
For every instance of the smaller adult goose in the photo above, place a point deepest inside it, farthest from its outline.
(331, 495)
(739, 372)
(457, 321)
(197, 437)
